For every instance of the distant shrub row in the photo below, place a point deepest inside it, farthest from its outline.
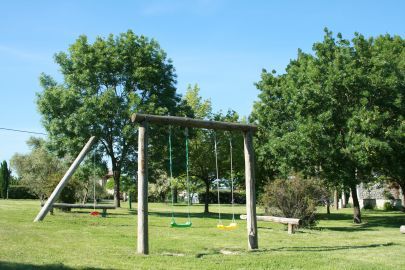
(225, 197)
(20, 192)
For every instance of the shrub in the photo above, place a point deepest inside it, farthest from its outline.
(293, 198)
(369, 206)
(388, 206)
(225, 197)
(20, 192)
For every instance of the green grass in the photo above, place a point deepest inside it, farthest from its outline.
(79, 241)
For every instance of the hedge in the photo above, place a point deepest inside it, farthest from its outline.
(20, 192)
(225, 197)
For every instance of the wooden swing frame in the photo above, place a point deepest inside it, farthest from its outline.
(247, 129)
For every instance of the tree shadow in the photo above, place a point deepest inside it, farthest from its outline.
(211, 215)
(370, 221)
(27, 266)
(327, 248)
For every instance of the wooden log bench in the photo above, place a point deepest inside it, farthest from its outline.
(291, 222)
(82, 206)
(402, 229)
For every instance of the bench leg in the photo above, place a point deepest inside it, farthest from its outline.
(291, 228)
(51, 211)
(104, 214)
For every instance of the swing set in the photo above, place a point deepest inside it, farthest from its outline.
(247, 129)
(143, 120)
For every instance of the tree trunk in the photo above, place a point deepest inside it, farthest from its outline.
(174, 194)
(343, 198)
(207, 197)
(328, 207)
(402, 185)
(336, 199)
(356, 205)
(116, 175)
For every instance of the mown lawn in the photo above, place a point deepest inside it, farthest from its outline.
(79, 241)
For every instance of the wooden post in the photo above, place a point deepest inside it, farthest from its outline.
(48, 205)
(143, 245)
(250, 190)
(290, 228)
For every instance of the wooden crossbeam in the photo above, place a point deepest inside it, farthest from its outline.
(191, 122)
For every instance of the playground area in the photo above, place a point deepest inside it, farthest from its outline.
(78, 240)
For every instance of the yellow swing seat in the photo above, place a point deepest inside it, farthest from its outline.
(230, 227)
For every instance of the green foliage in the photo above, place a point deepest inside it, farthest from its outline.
(20, 192)
(40, 170)
(369, 206)
(159, 190)
(110, 183)
(104, 83)
(225, 197)
(5, 179)
(294, 197)
(388, 206)
(336, 114)
(202, 158)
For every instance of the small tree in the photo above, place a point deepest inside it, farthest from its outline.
(5, 176)
(39, 170)
(294, 197)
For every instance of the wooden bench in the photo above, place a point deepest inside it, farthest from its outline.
(291, 222)
(82, 206)
(402, 229)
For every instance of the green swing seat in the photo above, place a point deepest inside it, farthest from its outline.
(173, 224)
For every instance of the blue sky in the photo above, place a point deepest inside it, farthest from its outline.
(219, 44)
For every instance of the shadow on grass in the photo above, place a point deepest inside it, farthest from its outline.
(327, 248)
(371, 220)
(212, 215)
(25, 266)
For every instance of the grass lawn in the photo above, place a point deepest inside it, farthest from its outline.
(79, 241)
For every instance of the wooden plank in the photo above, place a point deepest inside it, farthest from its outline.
(143, 244)
(250, 191)
(191, 122)
(402, 229)
(48, 205)
(283, 220)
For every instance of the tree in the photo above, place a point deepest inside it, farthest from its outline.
(40, 170)
(328, 115)
(202, 158)
(5, 179)
(104, 83)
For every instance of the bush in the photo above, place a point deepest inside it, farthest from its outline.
(388, 206)
(369, 206)
(293, 198)
(225, 197)
(20, 192)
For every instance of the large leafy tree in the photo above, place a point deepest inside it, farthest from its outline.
(202, 156)
(104, 83)
(330, 113)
